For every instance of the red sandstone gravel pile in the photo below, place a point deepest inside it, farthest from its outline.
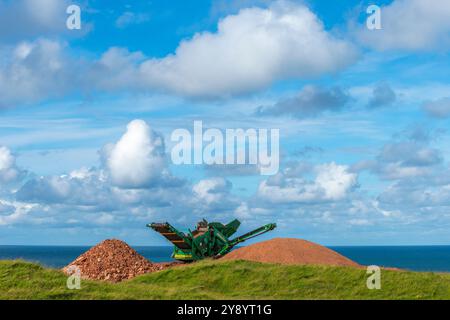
(290, 251)
(114, 261)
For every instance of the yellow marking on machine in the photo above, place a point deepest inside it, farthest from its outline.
(182, 256)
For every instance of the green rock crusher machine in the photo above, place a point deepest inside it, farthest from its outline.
(207, 240)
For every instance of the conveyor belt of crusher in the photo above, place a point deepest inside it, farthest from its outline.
(171, 234)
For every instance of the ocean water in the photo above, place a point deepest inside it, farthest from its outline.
(417, 258)
(60, 256)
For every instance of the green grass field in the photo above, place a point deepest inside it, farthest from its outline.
(225, 280)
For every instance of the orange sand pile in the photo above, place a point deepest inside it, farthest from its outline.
(290, 251)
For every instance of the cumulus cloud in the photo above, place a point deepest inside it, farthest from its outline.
(138, 159)
(75, 190)
(321, 197)
(405, 159)
(382, 95)
(25, 19)
(420, 177)
(417, 179)
(213, 195)
(8, 169)
(412, 25)
(134, 173)
(34, 70)
(333, 182)
(14, 212)
(249, 51)
(418, 193)
(116, 69)
(310, 102)
(439, 108)
(211, 190)
(92, 194)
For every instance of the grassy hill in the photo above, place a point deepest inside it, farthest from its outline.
(225, 280)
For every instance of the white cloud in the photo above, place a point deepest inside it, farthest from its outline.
(138, 159)
(243, 211)
(309, 102)
(104, 219)
(333, 182)
(24, 19)
(34, 70)
(439, 108)
(249, 51)
(17, 212)
(78, 191)
(211, 190)
(44, 11)
(416, 25)
(8, 170)
(83, 173)
(116, 69)
(213, 197)
(319, 198)
(254, 212)
(406, 159)
(416, 193)
(133, 176)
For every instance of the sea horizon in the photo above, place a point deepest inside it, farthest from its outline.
(170, 246)
(432, 258)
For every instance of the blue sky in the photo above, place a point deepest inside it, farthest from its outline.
(87, 115)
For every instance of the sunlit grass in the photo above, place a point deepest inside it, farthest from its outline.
(225, 280)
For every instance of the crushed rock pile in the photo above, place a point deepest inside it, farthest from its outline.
(113, 260)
